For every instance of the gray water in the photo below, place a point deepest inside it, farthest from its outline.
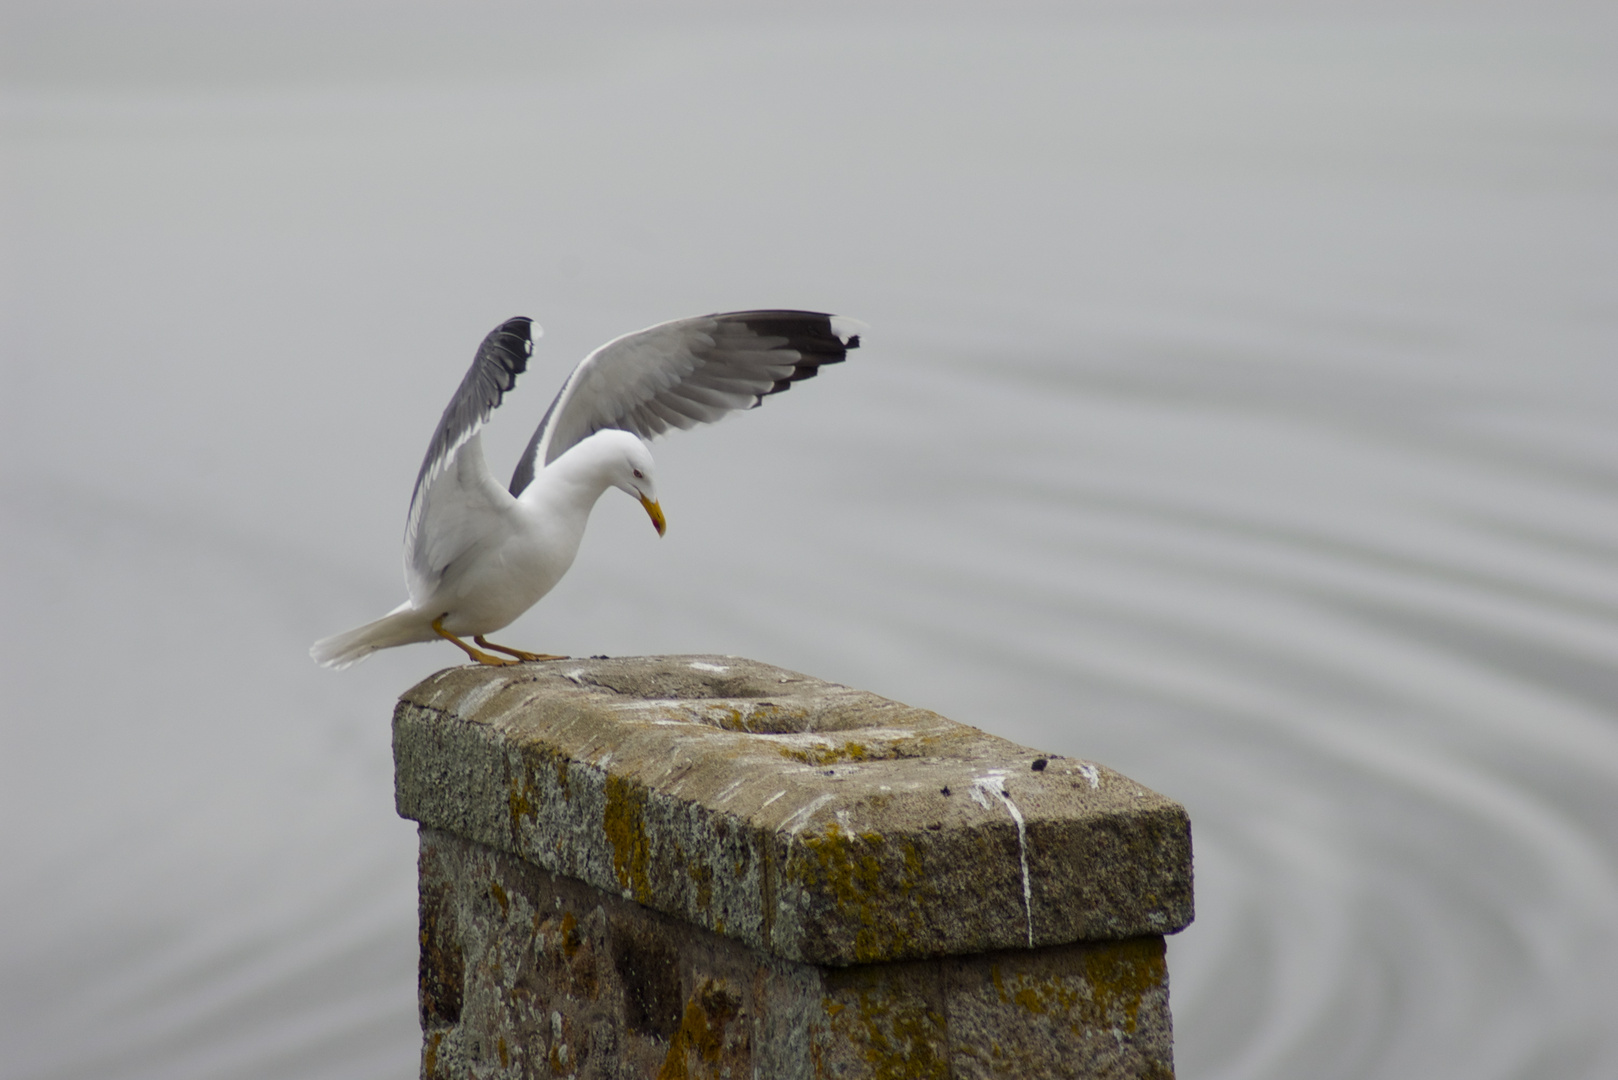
(1238, 410)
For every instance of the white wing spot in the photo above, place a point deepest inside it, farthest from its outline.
(844, 327)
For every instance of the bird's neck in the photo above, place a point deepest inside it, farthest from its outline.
(574, 480)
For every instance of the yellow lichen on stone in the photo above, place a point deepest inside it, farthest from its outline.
(857, 872)
(702, 876)
(1121, 975)
(762, 718)
(1029, 999)
(702, 1035)
(769, 717)
(570, 934)
(1116, 977)
(1051, 994)
(913, 865)
(429, 1056)
(520, 796)
(830, 754)
(899, 1037)
(500, 897)
(524, 795)
(833, 753)
(624, 822)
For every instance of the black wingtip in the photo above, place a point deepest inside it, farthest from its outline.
(509, 346)
(518, 329)
(814, 335)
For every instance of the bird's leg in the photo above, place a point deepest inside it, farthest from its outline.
(477, 654)
(518, 653)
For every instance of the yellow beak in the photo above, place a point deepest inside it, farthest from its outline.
(655, 512)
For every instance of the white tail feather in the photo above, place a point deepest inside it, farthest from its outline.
(401, 626)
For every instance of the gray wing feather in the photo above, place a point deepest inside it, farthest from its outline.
(501, 357)
(683, 373)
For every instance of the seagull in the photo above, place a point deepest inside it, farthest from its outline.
(478, 555)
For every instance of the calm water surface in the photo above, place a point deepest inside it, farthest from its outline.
(1240, 410)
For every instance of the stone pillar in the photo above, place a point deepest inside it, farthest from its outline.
(703, 866)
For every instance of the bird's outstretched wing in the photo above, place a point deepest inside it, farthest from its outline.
(454, 493)
(684, 373)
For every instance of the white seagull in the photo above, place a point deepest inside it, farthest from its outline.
(478, 555)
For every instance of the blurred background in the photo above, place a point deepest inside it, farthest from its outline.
(1239, 409)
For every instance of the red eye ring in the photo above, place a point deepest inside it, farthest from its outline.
(639, 475)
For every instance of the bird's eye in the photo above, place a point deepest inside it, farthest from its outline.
(639, 475)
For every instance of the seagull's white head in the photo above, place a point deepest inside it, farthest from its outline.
(632, 473)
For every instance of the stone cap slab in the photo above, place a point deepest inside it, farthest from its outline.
(809, 820)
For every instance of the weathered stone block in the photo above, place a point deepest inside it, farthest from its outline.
(551, 977)
(705, 866)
